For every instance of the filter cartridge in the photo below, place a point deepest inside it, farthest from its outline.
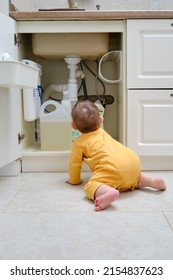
(31, 99)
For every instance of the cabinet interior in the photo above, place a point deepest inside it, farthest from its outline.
(55, 71)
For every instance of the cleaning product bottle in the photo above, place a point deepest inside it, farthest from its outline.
(75, 133)
(55, 127)
(68, 105)
(101, 110)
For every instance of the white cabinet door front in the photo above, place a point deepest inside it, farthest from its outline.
(10, 125)
(149, 123)
(150, 53)
(10, 99)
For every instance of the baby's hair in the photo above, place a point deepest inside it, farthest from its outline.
(85, 116)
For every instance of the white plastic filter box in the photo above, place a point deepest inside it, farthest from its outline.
(18, 74)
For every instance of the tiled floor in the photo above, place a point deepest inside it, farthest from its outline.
(41, 217)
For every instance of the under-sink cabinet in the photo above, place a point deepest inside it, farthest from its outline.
(54, 70)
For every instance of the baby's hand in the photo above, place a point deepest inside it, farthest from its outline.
(68, 182)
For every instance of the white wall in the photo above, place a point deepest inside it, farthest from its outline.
(32, 5)
(4, 7)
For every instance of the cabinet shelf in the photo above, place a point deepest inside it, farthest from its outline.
(36, 160)
(35, 150)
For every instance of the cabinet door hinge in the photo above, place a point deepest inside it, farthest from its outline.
(21, 136)
(17, 40)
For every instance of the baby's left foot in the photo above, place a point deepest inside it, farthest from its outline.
(101, 202)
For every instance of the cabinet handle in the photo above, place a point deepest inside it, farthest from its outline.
(172, 24)
(171, 94)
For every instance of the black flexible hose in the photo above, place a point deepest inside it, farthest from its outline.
(84, 84)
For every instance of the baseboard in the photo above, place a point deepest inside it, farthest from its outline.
(47, 164)
(157, 163)
(59, 163)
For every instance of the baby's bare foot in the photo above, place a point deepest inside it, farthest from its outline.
(101, 202)
(159, 184)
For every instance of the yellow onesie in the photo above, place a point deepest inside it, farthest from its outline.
(111, 162)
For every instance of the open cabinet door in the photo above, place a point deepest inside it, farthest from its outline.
(10, 99)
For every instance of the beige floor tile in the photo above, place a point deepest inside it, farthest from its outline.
(104, 235)
(42, 217)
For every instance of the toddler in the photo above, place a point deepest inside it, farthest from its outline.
(114, 166)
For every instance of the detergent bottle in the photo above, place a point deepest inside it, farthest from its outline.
(55, 127)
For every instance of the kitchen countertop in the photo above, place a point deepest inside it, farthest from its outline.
(90, 15)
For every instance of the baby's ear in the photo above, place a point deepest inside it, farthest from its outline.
(100, 119)
(73, 126)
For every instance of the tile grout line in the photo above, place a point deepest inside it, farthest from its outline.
(167, 220)
(12, 199)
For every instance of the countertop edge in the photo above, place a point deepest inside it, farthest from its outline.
(90, 15)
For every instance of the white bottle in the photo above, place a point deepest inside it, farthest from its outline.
(55, 128)
(101, 110)
(67, 104)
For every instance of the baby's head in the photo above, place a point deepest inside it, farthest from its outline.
(85, 116)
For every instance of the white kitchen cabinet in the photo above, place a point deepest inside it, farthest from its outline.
(149, 125)
(146, 124)
(10, 100)
(150, 92)
(14, 75)
(150, 53)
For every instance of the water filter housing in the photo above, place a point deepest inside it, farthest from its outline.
(31, 96)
